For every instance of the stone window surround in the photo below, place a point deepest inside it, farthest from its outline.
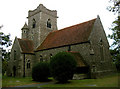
(33, 23)
(49, 23)
(28, 64)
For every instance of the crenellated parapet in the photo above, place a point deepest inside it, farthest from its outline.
(42, 8)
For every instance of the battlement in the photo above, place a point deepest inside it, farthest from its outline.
(42, 8)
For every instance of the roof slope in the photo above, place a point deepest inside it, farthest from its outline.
(70, 35)
(26, 45)
(79, 59)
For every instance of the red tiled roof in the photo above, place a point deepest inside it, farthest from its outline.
(26, 45)
(70, 35)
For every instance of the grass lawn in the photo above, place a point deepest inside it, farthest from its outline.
(15, 81)
(108, 81)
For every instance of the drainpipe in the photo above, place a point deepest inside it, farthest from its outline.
(23, 65)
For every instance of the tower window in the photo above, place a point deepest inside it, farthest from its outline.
(34, 23)
(49, 23)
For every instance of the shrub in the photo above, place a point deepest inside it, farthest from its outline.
(62, 66)
(40, 71)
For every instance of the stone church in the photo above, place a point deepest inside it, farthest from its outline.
(41, 40)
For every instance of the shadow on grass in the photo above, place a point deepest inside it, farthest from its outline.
(58, 82)
(46, 80)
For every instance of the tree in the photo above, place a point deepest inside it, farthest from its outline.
(115, 51)
(62, 66)
(4, 43)
(114, 7)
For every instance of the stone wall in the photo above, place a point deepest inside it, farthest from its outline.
(14, 61)
(46, 54)
(29, 61)
(102, 60)
(18, 61)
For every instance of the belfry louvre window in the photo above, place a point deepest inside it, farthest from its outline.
(49, 23)
(34, 23)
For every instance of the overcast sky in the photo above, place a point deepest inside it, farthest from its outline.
(13, 13)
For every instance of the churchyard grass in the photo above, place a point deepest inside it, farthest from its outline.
(108, 81)
(16, 81)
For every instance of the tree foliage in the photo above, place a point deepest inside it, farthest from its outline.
(115, 51)
(116, 33)
(62, 66)
(41, 72)
(4, 43)
(114, 7)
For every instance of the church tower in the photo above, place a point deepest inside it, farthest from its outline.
(41, 22)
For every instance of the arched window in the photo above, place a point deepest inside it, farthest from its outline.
(101, 50)
(51, 55)
(91, 49)
(28, 64)
(69, 48)
(33, 23)
(41, 58)
(24, 31)
(14, 54)
(101, 42)
(49, 23)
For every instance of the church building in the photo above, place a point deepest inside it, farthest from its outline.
(41, 40)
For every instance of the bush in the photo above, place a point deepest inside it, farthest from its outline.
(62, 66)
(40, 71)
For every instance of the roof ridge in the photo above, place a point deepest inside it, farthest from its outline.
(66, 28)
